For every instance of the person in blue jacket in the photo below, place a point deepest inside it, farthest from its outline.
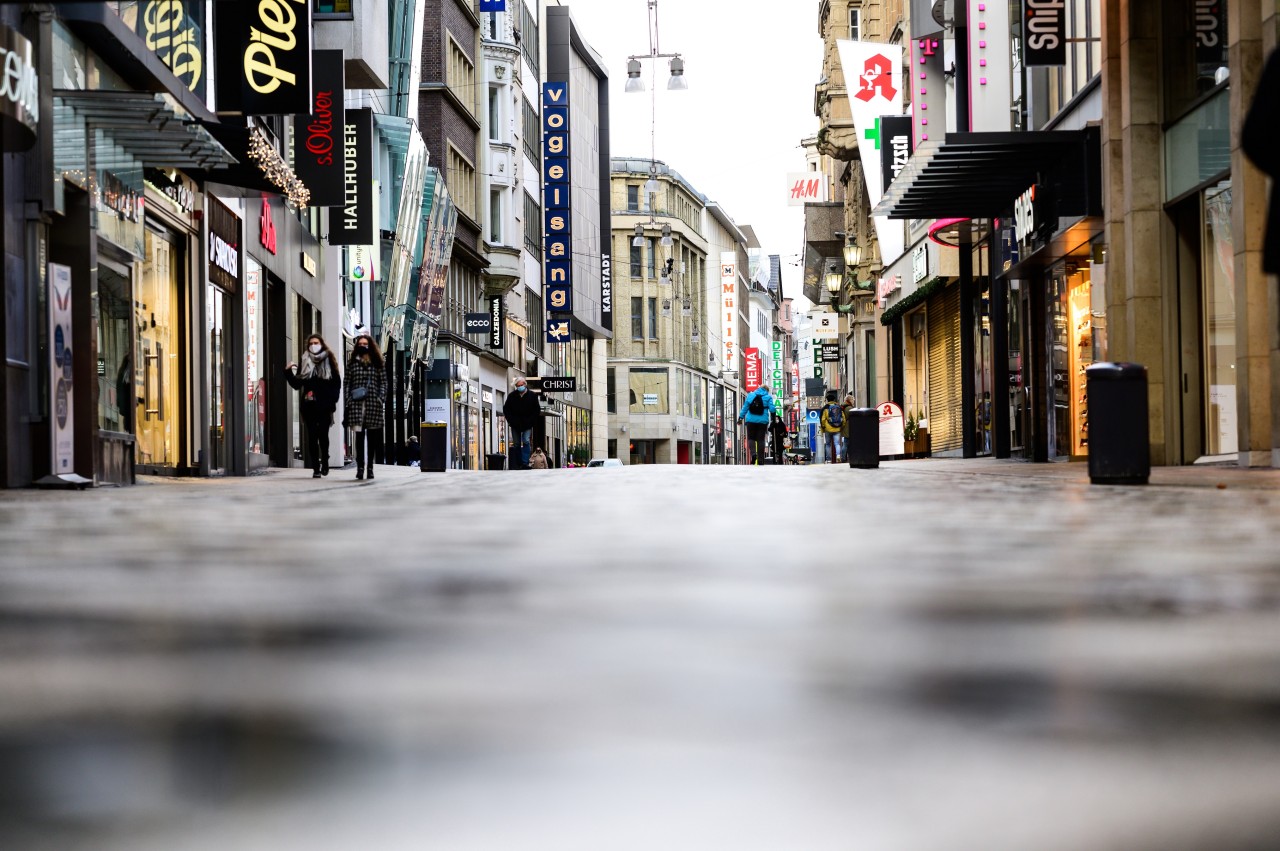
(756, 409)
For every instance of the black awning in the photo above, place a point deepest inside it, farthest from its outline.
(978, 175)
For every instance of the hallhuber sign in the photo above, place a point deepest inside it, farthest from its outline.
(352, 223)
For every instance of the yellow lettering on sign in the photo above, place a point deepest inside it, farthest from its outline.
(557, 249)
(555, 121)
(555, 144)
(558, 298)
(556, 172)
(559, 276)
(261, 71)
(558, 223)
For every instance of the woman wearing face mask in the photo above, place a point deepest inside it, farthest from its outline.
(365, 402)
(522, 412)
(319, 383)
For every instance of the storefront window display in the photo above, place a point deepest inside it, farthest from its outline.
(255, 412)
(1071, 352)
(157, 352)
(1219, 323)
(983, 389)
(915, 367)
(115, 368)
(649, 391)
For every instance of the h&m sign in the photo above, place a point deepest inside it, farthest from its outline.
(263, 54)
(557, 285)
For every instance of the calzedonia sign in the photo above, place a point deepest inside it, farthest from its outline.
(318, 140)
(351, 223)
(263, 52)
(557, 286)
(497, 318)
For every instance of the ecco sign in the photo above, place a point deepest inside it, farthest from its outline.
(478, 323)
(19, 91)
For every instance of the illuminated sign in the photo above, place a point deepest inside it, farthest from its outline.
(263, 52)
(557, 282)
(728, 305)
(317, 151)
(352, 223)
(752, 378)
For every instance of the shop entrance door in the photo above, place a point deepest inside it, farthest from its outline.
(157, 390)
(216, 323)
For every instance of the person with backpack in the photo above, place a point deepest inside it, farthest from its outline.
(833, 428)
(756, 410)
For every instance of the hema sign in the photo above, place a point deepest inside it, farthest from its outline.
(263, 54)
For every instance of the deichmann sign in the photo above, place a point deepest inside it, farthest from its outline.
(557, 287)
(263, 53)
(19, 92)
(497, 319)
(352, 222)
(224, 245)
(1046, 32)
(318, 141)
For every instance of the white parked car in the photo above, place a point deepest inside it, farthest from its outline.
(605, 462)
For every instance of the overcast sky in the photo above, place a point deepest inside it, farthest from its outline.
(734, 135)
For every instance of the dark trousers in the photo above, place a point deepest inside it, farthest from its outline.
(756, 433)
(317, 444)
(374, 436)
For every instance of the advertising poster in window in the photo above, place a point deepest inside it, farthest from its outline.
(61, 393)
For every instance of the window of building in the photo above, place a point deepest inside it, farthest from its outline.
(461, 180)
(855, 23)
(653, 318)
(1195, 53)
(611, 390)
(527, 36)
(1084, 57)
(637, 318)
(637, 260)
(532, 226)
(532, 133)
(495, 113)
(633, 198)
(651, 246)
(332, 7)
(649, 390)
(462, 75)
(495, 216)
(537, 327)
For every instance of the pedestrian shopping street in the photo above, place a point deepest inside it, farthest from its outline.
(935, 654)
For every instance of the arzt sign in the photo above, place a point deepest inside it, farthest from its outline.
(263, 52)
(895, 146)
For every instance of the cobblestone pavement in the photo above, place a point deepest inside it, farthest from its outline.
(932, 655)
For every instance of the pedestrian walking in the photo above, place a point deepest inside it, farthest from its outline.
(522, 413)
(365, 402)
(778, 432)
(832, 421)
(319, 384)
(756, 409)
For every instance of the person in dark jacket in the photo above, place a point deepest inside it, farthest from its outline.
(1258, 139)
(319, 383)
(522, 412)
(778, 431)
(756, 409)
(365, 402)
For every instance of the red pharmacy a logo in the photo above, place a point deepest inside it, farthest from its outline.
(877, 78)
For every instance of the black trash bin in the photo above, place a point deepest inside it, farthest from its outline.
(1119, 440)
(434, 440)
(863, 442)
(495, 461)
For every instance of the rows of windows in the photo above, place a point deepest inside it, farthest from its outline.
(461, 179)
(532, 226)
(532, 133)
(461, 75)
(638, 325)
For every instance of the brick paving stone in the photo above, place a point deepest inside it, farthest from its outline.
(940, 654)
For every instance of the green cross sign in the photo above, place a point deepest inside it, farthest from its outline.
(874, 134)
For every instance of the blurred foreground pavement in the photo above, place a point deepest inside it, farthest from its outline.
(933, 655)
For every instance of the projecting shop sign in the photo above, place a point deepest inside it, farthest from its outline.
(263, 55)
(728, 304)
(478, 323)
(352, 223)
(497, 318)
(317, 147)
(557, 285)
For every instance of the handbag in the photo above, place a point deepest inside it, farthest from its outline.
(358, 394)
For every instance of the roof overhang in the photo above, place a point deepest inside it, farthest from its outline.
(978, 175)
(151, 127)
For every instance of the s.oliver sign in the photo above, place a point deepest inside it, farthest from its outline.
(263, 52)
(318, 151)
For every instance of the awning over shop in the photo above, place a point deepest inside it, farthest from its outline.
(978, 175)
(151, 127)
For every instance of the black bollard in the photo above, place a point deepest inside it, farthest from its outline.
(1119, 440)
(863, 443)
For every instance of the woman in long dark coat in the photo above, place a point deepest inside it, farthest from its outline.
(365, 402)
(319, 384)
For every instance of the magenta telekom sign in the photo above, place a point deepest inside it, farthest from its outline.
(754, 374)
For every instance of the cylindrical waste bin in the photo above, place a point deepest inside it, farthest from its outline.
(863, 443)
(1119, 440)
(434, 440)
(495, 461)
